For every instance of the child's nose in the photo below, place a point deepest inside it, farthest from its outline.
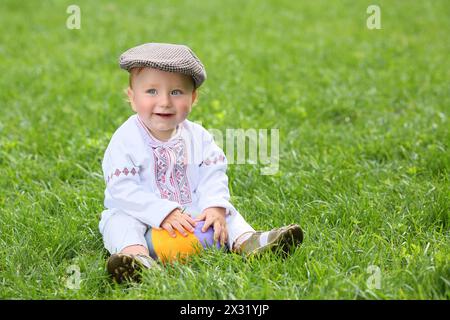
(164, 100)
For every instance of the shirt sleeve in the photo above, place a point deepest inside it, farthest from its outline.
(124, 190)
(212, 187)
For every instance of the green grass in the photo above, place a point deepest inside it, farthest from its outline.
(364, 159)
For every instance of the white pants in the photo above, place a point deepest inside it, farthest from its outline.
(120, 230)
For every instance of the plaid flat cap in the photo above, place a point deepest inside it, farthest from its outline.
(166, 57)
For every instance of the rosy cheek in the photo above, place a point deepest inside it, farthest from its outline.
(144, 104)
(185, 109)
(186, 105)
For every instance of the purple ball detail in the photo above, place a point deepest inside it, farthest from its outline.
(205, 238)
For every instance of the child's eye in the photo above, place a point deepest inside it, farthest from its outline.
(151, 91)
(176, 92)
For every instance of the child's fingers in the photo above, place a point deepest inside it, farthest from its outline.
(190, 221)
(220, 232)
(187, 225)
(224, 236)
(217, 232)
(208, 223)
(180, 228)
(166, 226)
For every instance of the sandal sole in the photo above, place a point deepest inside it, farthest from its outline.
(123, 268)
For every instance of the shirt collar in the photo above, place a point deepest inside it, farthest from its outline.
(154, 142)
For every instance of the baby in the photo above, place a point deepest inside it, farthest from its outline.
(166, 176)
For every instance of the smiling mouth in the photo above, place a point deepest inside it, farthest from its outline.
(165, 115)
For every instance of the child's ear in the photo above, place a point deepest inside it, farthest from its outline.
(194, 96)
(130, 94)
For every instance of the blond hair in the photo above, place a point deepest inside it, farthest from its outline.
(134, 72)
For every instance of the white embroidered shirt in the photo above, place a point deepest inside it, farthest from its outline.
(148, 178)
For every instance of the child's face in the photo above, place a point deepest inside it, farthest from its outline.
(162, 100)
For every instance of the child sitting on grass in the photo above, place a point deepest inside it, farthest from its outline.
(165, 174)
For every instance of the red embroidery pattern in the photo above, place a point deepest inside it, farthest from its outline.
(170, 173)
(215, 160)
(125, 171)
(170, 168)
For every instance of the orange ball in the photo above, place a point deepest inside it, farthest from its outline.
(169, 249)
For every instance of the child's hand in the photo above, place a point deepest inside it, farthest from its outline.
(180, 221)
(215, 216)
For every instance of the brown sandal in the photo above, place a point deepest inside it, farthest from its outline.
(126, 267)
